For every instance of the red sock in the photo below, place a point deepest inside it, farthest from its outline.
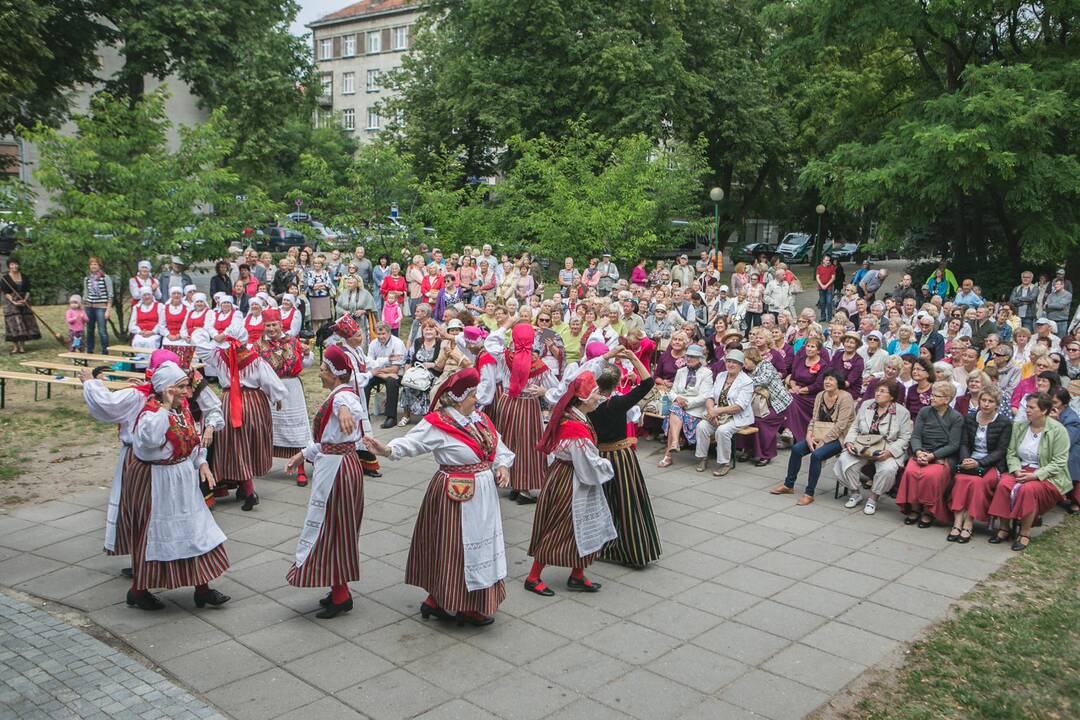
(248, 486)
(430, 602)
(577, 573)
(339, 594)
(534, 574)
(136, 592)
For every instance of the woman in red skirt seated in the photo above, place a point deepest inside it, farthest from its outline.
(982, 460)
(327, 553)
(572, 521)
(457, 552)
(174, 539)
(1038, 476)
(934, 444)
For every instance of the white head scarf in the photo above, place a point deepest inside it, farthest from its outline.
(145, 265)
(167, 375)
(198, 296)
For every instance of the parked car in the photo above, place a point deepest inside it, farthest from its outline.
(279, 239)
(753, 250)
(844, 252)
(796, 247)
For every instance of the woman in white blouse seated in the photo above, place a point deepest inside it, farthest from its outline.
(727, 410)
(147, 322)
(689, 392)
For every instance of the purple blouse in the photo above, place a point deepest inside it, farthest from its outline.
(802, 375)
(852, 370)
(667, 366)
(916, 401)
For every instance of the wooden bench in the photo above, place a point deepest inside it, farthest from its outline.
(87, 358)
(46, 368)
(746, 431)
(127, 350)
(48, 381)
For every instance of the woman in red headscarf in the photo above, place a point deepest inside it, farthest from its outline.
(524, 377)
(572, 521)
(327, 552)
(457, 552)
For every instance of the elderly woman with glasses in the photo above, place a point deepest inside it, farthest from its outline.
(690, 391)
(935, 443)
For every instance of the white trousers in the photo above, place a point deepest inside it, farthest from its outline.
(707, 432)
(849, 469)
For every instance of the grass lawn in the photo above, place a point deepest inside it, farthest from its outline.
(1013, 651)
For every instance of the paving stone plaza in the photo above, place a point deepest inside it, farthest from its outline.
(758, 608)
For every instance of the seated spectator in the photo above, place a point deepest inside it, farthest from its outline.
(849, 363)
(880, 435)
(930, 338)
(386, 358)
(935, 442)
(923, 376)
(983, 443)
(1042, 363)
(807, 370)
(1045, 382)
(967, 404)
(726, 412)
(1069, 418)
(904, 344)
(1038, 470)
(687, 397)
(834, 411)
(771, 401)
(894, 366)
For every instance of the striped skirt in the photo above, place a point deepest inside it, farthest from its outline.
(335, 557)
(134, 474)
(638, 543)
(553, 540)
(437, 558)
(518, 423)
(169, 574)
(246, 452)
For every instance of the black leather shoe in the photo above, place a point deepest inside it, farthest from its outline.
(761, 462)
(926, 523)
(325, 601)
(533, 585)
(388, 423)
(250, 501)
(126, 572)
(580, 586)
(474, 619)
(333, 610)
(240, 493)
(146, 601)
(526, 499)
(513, 495)
(211, 597)
(372, 473)
(427, 611)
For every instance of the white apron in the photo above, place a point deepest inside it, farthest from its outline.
(181, 526)
(291, 426)
(112, 512)
(482, 535)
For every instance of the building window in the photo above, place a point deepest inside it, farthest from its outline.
(348, 119)
(374, 42)
(373, 80)
(348, 83)
(372, 119)
(326, 49)
(348, 46)
(327, 81)
(399, 38)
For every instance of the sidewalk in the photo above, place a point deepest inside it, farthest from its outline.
(757, 607)
(49, 669)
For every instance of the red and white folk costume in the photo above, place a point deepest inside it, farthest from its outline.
(147, 322)
(178, 543)
(327, 552)
(244, 447)
(517, 414)
(254, 321)
(174, 322)
(291, 320)
(457, 552)
(287, 356)
(348, 337)
(572, 521)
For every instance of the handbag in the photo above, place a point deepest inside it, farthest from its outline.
(868, 444)
(417, 378)
(760, 402)
(822, 429)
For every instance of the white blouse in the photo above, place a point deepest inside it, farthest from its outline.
(1028, 449)
(120, 406)
(332, 433)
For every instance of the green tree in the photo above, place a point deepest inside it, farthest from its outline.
(122, 195)
(52, 50)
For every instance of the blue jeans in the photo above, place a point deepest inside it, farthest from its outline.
(825, 303)
(798, 451)
(96, 318)
(1028, 322)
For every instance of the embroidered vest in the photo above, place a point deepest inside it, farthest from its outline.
(146, 320)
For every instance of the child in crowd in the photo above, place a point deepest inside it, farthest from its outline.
(76, 318)
(391, 312)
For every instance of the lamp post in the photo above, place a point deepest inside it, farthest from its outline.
(716, 195)
(820, 210)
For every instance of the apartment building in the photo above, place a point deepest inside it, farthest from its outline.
(354, 48)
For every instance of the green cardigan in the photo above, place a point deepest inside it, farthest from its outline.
(1053, 453)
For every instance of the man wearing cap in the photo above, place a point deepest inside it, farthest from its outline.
(725, 306)
(609, 275)
(683, 272)
(175, 276)
(1045, 327)
(727, 410)
(873, 356)
(1057, 303)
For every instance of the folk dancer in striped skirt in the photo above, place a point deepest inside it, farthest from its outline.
(572, 521)
(638, 542)
(179, 544)
(517, 418)
(245, 448)
(457, 552)
(327, 552)
(287, 356)
(349, 337)
(121, 407)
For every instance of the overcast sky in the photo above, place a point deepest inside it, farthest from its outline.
(313, 10)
